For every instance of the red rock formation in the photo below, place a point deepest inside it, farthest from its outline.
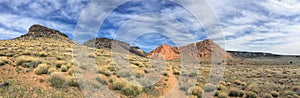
(204, 49)
(165, 52)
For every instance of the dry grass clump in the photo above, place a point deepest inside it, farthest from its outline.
(73, 82)
(234, 92)
(28, 62)
(209, 88)
(4, 61)
(197, 91)
(222, 95)
(251, 94)
(64, 68)
(267, 96)
(253, 88)
(41, 69)
(51, 70)
(274, 93)
(131, 91)
(59, 63)
(104, 71)
(57, 80)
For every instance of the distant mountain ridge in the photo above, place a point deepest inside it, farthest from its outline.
(245, 54)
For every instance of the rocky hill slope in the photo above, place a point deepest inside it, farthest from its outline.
(205, 49)
(101, 43)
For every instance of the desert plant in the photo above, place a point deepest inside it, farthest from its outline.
(28, 62)
(234, 92)
(117, 85)
(253, 88)
(267, 96)
(51, 70)
(274, 93)
(131, 90)
(100, 80)
(104, 71)
(64, 68)
(296, 89)
(57, 80)
(251, 94)
(222, 95)
(41, 69)
(73, 82)
(197, 91)
(59, 63)
(4, 61)
(222, 88)
(209, 88)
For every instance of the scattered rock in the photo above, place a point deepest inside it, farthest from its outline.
(4, 84)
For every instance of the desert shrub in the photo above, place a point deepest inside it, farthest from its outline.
(197, 91)
(57, 80)
(234, 92)
(73, 82)
(251, 94)
(131, 90)
(71, 71)
(165, 74)
(296, 89)
(117, 85)
(104, 71)
(222, 95)
(101, 80)
(209, 88)
(124, 73)
(4, 61)
(176, 72)
(41, 69)
(59, 63)
(253, 88)
(28, 62)
(239, 82)
(43, 54)
(274, 93)
(64, 68)
(51, 70)
(267, 96)
(222, 88)
(193, 74)
(217, 93)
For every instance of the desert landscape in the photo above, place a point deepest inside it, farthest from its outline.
(41, 64)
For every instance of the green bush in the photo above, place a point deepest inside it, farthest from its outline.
(251, 94)
(222, 95)
(197, 91)
(73, 82)
(274, 93)
(64, 68)
(131, 91)
(267, 96)
(41, 69)
(209, 88)
(57, 80)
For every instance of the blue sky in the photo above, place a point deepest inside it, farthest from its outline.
(251, 25)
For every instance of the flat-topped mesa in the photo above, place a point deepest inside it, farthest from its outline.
(38, 31)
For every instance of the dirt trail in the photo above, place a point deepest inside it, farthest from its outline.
(173, 90)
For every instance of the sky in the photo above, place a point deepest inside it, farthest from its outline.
(247, 25)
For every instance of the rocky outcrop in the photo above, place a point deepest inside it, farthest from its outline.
(117, 46)
(38, 31)
(244, 54)
(165, 52)
(204, 49)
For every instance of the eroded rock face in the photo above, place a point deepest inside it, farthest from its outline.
(204, 49)
(38, 31)
(165, 52)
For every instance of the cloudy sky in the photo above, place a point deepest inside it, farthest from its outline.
(251, 25)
